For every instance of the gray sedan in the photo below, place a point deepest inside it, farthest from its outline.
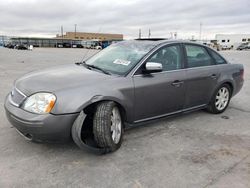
(128, 83)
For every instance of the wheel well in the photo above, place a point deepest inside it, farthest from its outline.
(87, 136)
(90, 109)
(230, 85)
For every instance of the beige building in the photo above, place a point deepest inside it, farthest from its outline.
(91, 36)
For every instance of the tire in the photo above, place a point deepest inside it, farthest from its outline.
(216, 105)
(108, 131)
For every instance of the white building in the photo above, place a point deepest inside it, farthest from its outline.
(232, 40)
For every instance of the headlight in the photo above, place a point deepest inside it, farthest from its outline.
(39, 103)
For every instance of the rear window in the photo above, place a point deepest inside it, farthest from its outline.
(197, 56)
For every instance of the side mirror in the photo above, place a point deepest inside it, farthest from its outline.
(153, 67)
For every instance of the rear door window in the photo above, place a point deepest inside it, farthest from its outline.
(197, 56)
(218, 59)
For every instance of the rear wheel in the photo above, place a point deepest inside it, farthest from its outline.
(220, 99)
(108, 126)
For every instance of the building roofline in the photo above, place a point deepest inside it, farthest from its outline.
(93, 33)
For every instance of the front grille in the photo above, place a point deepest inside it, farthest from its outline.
(17, 97)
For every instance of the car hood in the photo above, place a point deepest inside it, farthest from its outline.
(58, 78)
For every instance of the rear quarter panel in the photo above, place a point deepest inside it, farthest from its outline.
(231, 73)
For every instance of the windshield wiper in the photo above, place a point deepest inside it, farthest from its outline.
(88, 66)
(80, 63)
(98, 68)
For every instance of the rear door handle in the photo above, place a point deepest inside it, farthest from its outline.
(177, 83)
(213, 76)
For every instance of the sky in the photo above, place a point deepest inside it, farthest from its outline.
(43, 18)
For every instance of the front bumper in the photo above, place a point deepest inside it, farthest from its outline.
(44, 128)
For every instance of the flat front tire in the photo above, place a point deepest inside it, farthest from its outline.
(108, 126)
(220, 99)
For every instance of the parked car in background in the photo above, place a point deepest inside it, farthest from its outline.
(125, 84)
(11, 46)
(59, 45)
(21, 47)
(66, 45)
(226, 47)
(79, 46)
(244, 46)
(98, 47)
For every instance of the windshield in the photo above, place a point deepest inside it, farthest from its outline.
(121, 57)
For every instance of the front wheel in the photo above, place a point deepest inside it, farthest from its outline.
(108, 126)
(220, 99)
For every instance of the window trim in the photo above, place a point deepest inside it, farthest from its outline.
(184, 60)
(158, 73)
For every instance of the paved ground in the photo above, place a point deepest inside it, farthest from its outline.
(193, 150)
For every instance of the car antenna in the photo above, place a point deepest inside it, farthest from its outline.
(86, 53)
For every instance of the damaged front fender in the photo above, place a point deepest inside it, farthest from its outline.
(87, 141)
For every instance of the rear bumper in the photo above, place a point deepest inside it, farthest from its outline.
(43, 128)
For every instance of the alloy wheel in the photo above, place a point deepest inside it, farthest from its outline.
(116, 125)
(222, 98)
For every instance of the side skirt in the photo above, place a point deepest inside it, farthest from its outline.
(164, 116)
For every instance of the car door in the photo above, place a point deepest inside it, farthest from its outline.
(161, 93)
(202, 75)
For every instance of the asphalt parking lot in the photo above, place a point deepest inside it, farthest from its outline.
(193, 150)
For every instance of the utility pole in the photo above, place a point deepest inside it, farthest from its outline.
(62, 33)
(75, 30)
(149, 33)
(200, 30)
(175, 35)
(139, 33)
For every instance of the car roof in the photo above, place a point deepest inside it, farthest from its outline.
(156, 42)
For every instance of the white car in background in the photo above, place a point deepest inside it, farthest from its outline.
(226, 47)
(98, 47)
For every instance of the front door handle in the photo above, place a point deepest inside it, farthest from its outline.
(177, 83)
